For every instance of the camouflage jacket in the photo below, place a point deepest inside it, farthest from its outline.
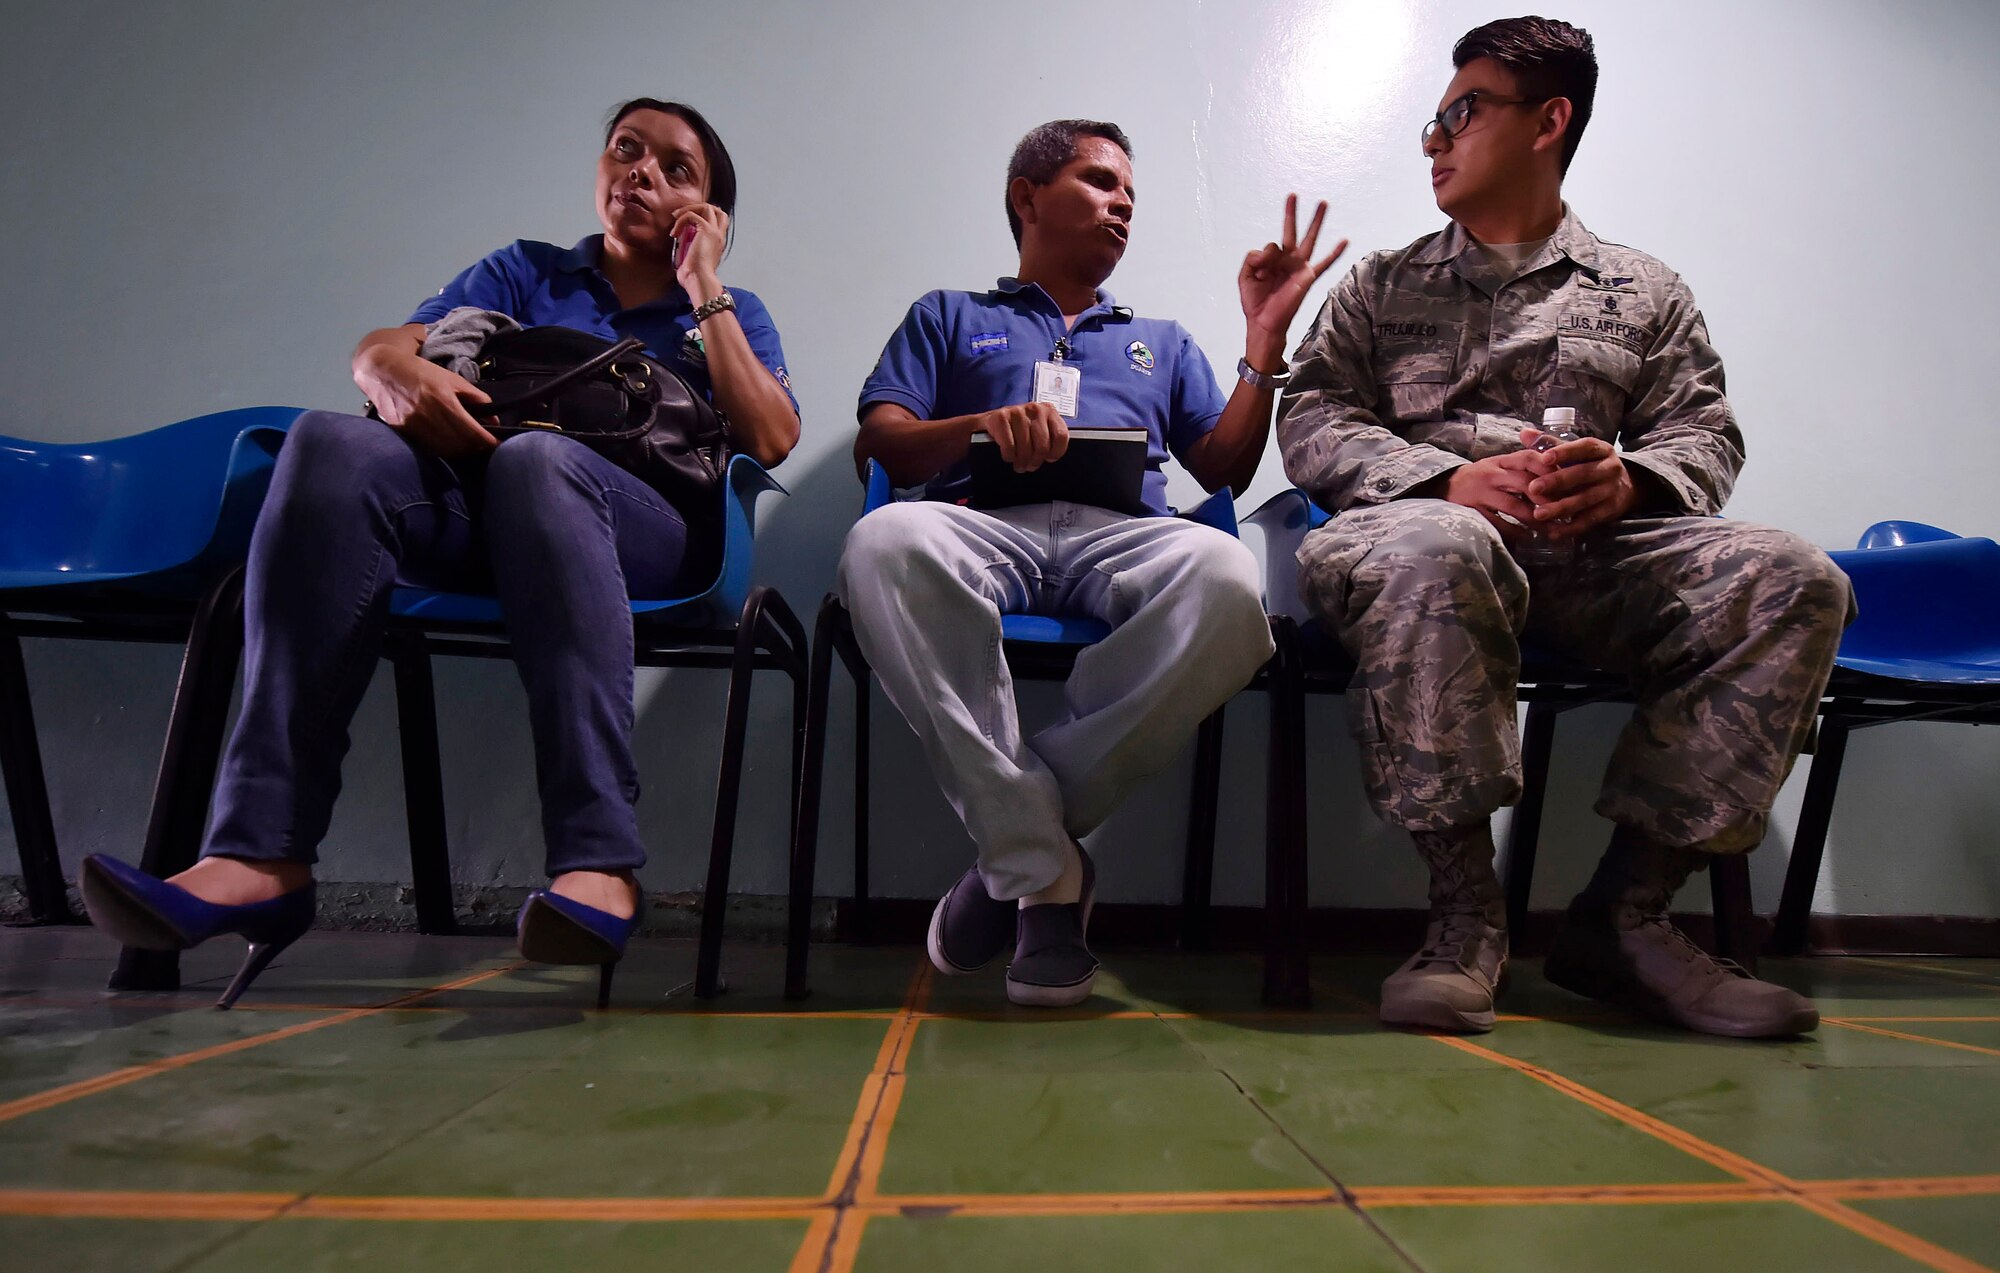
(1422, 360)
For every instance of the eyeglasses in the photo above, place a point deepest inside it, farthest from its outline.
(1452, 120)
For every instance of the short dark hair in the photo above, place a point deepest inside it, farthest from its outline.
(1046, 150)
(1549, 58)
(721, 168)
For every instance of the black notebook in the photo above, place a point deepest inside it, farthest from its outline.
(1103, 467)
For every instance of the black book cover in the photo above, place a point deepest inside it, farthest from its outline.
(1103, 467)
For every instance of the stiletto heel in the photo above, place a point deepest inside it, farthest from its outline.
(553, 929)
(259, 958)
(146, 912)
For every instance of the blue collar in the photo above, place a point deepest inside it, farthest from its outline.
(585, 257)
(1008, 285)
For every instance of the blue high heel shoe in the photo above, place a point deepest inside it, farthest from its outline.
(554, 929)
(146, 912)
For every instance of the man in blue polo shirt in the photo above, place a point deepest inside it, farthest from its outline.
(927, 580)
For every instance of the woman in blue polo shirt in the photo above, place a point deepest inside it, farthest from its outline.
(423, 495)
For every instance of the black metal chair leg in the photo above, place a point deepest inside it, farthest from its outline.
(729, 781)
(864, 924)
(1524, 833)
(28, 792)
(805, 817)
(423, 788)
(188, 762)
(1198, 866)
(1287, 972)
(1735, 915)
(1809, 846)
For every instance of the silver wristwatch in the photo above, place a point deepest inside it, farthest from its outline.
(1262, 380)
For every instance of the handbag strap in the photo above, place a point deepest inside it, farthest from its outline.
(555, 385)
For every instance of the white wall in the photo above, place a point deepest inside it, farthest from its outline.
(203, 205)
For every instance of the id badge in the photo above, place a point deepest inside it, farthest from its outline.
(1057, 384)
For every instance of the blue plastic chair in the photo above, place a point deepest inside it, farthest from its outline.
(1925, 646)
(137, 538)
(731, 623)
(1549, 685)
(1038, 647)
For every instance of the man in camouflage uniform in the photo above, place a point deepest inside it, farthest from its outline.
(1410, 416)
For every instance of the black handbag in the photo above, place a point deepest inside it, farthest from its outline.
(614, 399)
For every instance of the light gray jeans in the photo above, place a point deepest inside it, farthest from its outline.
(926, 584)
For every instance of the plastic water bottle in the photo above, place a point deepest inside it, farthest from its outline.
(1558, 427)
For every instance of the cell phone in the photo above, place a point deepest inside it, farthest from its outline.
(683, 241)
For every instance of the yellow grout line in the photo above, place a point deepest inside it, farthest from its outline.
(1933, 1020)
(1937, 976)
(846, 1246)
(1906, 1187)
(1735, 1164)
(1851, 1023)
(811, 1254)
(144, 1205)
(823, 1245)
(133, 1073)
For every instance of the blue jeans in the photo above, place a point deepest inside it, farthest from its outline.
(560, 535)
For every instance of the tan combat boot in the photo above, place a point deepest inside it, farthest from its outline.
(1449, 984)
(1617, 945)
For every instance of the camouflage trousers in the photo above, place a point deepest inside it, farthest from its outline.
(1726, 630)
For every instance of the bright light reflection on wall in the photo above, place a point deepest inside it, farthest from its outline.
(1337, 67)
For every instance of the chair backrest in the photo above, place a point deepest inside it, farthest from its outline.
(725, 597)
(1284, 520)
(161, 503)
(1902, 534)
(1931, 602)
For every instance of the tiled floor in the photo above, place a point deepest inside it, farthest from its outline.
(389, 1102)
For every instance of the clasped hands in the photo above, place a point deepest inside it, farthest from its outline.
(1564, 492)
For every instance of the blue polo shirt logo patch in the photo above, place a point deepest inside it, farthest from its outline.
(989, 342)
(1142, 357)
(692, 347)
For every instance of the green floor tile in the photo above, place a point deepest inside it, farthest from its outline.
(1978, 1034)
(1967, 1226)
(619, 1133)
(1460, 1127)
(1772, 1237)
(113, 1246)
(1170, 982)
(45, 1047)
(502, 1040)
(335, 1246)
(1562, 1047)
(1246, 1241)
(218, 1128)
(1266, 1048)
(1828, 1123)
(834, 1047)
(1050, 1047)
(1084, 1132)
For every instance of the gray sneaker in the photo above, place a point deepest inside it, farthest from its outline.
(1652, 968)
(1449, 985)
(969, 929)
(1053, 966)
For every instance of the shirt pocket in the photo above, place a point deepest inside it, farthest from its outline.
(1598, 376)
(1414, 385)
